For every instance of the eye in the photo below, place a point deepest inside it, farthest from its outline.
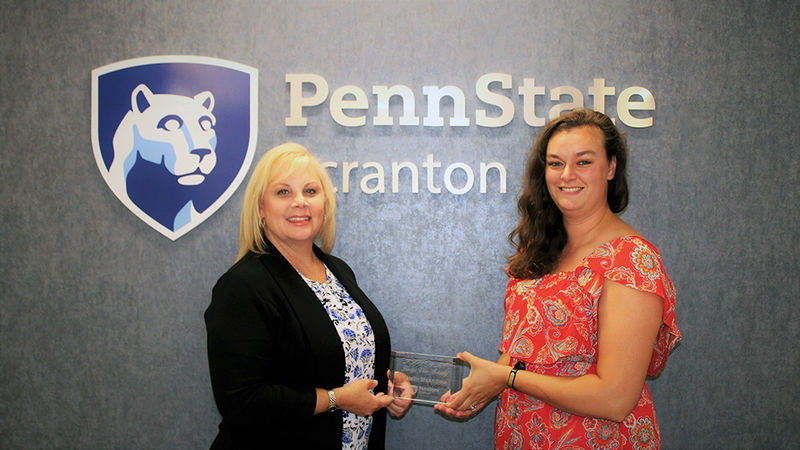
(205, 123)
(311, 191)
(584, 162)
(170, 123)
(554, 164)
(283, 191)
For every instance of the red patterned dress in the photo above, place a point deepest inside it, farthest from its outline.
(550, 323)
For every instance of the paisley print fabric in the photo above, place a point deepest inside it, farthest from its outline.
(550, 323)
(358, 344)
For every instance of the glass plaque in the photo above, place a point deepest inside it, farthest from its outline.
(430, 375)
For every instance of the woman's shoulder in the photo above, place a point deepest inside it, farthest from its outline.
(619, 237)
(243, 267)
(624, 245)
(244, 288)
(620, 251)
(250, 272)
(632, 261)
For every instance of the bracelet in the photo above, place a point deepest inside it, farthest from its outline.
(512, 376)
(331, 401)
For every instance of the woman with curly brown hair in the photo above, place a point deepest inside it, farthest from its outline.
(589, 308)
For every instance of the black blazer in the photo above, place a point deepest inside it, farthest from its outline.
(270, 344)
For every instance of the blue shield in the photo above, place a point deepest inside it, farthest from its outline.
(174, 136)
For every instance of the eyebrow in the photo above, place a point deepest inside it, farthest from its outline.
(283, 183)
(579, 154)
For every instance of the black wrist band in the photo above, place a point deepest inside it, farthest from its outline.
(512, 376)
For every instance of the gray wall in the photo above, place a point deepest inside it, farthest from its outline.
(102, 343)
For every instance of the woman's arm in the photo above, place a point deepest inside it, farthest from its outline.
(486, 374)
(242, 332)
(354, 397)
(629, 321)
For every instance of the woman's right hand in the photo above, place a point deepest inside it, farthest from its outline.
(356, 397)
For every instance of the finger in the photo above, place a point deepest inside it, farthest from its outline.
(465, 356)
(398, 407)
(459, 413)
(474, 408)
(460, 403)
(408, 391)
(450, 411)
(384, 400)
(456, 400)
(400, 377)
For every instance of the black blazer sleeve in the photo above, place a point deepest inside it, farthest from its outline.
(244, 324)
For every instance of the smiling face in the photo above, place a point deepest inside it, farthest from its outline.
(578, 170)
(293, 208)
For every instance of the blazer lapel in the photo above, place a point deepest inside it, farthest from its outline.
(326, 347)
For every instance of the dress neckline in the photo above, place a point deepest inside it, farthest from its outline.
(328, 276)
(584, 260)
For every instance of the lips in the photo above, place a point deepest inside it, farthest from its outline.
(570, 189)
(299, 219)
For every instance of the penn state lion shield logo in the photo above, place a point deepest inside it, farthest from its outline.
(174, 136)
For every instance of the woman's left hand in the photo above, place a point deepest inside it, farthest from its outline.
(447, 410)
(402, 384)
(486, 379)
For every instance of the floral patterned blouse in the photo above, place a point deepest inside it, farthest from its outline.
(550, 324)
(358, 344)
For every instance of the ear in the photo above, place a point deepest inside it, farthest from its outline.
(141, 98)
(612, 168)
(206, 99)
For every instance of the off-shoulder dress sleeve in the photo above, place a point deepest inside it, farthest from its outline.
(636, 263)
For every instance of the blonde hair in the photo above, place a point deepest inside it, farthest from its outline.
(277, 162)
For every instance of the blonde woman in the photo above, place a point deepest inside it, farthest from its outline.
(298, 354)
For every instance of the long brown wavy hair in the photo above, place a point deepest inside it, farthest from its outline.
(540, 236)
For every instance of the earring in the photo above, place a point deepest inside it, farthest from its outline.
(261, 223)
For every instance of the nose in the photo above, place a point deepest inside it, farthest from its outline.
(201, 152)
(568, 172)
(300, 199)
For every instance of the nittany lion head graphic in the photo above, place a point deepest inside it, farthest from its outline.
(157, 123)
(174, 131)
